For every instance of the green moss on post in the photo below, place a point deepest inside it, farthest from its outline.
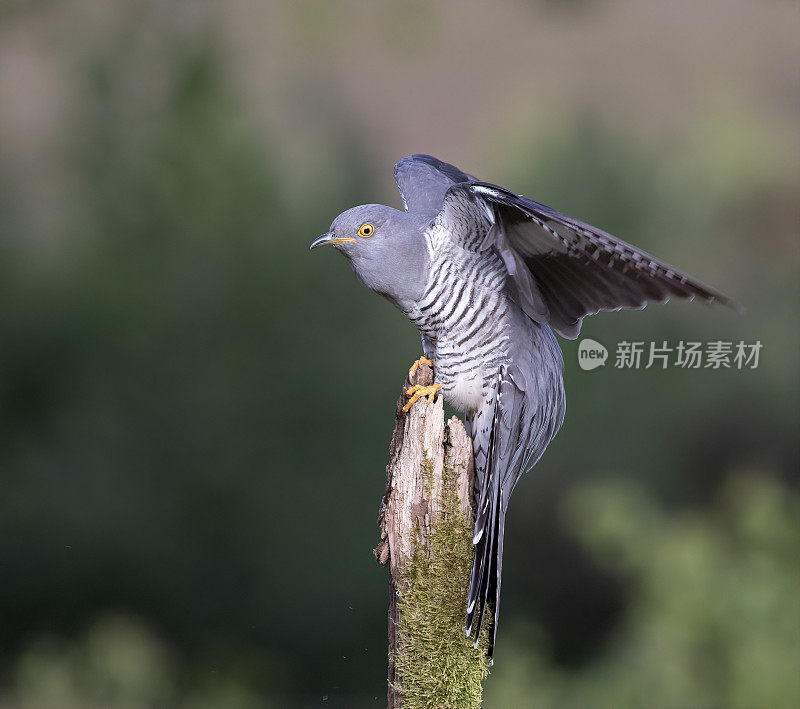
(437, 665)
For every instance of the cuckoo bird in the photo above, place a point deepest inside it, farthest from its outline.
(487, 276)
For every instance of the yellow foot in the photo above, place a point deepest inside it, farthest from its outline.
(421, 360)
(417, 391)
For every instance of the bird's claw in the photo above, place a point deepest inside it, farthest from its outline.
(417, 391)
(415, 366)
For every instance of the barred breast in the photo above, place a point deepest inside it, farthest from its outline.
(464, 314)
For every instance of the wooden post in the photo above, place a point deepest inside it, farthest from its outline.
(426, 541)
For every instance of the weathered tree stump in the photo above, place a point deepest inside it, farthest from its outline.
(426, 541)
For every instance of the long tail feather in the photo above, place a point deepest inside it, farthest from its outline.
(504, 445)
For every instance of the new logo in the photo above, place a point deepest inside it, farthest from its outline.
(591, 354)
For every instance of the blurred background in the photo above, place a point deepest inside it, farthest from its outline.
(195, 411)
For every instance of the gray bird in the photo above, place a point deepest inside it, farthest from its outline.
(487, 276)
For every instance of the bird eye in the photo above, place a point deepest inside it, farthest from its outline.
(366, 230)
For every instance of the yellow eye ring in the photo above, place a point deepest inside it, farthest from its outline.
(366, 230)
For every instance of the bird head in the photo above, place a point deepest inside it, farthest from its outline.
(380, 243)
(358, 230)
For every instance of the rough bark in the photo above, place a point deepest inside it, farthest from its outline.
(425, 456)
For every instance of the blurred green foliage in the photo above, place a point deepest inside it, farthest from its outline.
(194, 415)
(168, 385)
(712, 616)
(712, 621)
(119, 662)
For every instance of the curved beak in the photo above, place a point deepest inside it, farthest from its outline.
(322, 240)
(328, 238)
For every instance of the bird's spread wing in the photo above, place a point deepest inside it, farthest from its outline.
(423, 181)
(561, 268)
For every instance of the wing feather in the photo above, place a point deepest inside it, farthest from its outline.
(577, 269)
(423, 181)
